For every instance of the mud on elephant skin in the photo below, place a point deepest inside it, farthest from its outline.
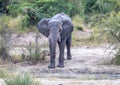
(58, 29)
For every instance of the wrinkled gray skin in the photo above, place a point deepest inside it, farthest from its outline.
(58, 29)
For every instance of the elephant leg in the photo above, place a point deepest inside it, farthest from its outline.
(61, 54)
(52, 62)
(68, 44)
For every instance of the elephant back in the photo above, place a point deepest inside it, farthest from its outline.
(61, 17)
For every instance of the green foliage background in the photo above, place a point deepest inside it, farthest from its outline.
(99, 14)
(34, 10)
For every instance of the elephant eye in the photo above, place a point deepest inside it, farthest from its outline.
(60, 30)
(48, 30)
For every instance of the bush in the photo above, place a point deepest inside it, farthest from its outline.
(96, 9)
(3, 73)
(20, 80)
(5, 34)
(99, 6)
(33, 52)
(36, 10)
(116, 60)
(16, 24)
(110, 25)
(78, 23)
(80, 28)
(94, 20)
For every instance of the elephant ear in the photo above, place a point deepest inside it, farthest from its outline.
(67, 28)
(43, 26)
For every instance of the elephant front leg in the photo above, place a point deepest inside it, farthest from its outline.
(61, 55)
(68, 44)
(52, 62)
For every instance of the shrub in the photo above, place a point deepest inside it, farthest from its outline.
(116, 60)
(80, 28)
(3, 73)
(78, 23)
(111, 26)
(105, 6)
(16, 24)
(35, 54)
(94, 20)
(96, 9)
(99, 6)
(20, 80)
(36, 10)
(8, 25)
(5, 34)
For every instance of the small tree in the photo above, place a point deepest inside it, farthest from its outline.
(112, 24)
(5, 35)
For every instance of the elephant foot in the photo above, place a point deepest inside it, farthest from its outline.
(60, 65)
(69, 58)
(51, 66)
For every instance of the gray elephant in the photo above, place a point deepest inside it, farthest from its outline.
(58, 29)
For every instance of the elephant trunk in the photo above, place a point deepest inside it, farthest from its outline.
(52, 46)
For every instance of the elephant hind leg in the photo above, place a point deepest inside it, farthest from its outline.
(68, 44)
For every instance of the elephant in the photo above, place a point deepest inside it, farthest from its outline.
(59, 30)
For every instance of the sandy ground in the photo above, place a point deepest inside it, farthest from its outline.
(89, 66)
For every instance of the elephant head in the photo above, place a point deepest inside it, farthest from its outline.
(55, 30)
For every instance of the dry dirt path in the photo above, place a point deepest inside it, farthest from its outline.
(87, 67)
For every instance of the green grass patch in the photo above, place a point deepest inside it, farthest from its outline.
(116, 60)
(3, 73)
(21, 80)
(78, 23)
(87, 39)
